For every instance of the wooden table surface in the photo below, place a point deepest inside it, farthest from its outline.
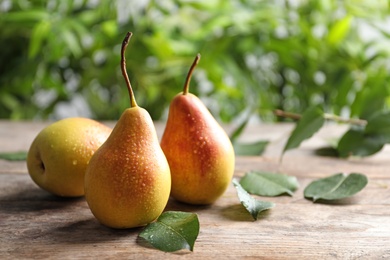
(35, 224)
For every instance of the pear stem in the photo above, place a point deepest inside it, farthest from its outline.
(189, 75)
(123, 68)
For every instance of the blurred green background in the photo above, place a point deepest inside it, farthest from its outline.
(60, 58)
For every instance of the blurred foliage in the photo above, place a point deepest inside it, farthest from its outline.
(61, 58)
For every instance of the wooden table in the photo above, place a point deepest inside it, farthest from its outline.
(35, 224)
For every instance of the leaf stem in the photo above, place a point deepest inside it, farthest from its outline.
(354, 121)
(123, 68)
(285, 114)
(327, 116)
(189, 75)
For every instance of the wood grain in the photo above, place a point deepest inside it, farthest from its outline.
(37, 225)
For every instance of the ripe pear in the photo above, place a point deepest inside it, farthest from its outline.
(128, 181)
(60, 153)
(199, 152)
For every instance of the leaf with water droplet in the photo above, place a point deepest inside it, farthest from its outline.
(14, 156)
(269, 184)
(252, 205)
(172, 231)
(337, 186)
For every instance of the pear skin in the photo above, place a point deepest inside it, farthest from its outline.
(127, 183)
(199, 152)
(59, 155)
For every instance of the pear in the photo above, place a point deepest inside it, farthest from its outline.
(128, 182)
(59, 154)
(199, 152)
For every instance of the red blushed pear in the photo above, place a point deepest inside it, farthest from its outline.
(128, 181)
(199, 152)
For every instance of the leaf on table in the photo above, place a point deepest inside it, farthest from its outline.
(252, 205)
(173, 230)
(327, 151)
(311, 121)
(248, 149)
(269, 184)
(337, 186)
(330, 150)
(356, 143)
(14, 156)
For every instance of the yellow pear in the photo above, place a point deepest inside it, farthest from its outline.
(60, 153)
(199, 152)
(128, 181)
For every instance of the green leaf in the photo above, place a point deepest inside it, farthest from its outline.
(252, 205)
(371, 98)
(248, 149)
(269, 184)
(240, 128)
(26, 16)
(15, 156)
(9, 101)
(379, 125)
(336, 187)
(173, 230)
(110, 28)
(37, 37)
(356, 143)
(339, 30)
(76, 26)
(311, 121)
(72, 42)
(328, 151)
